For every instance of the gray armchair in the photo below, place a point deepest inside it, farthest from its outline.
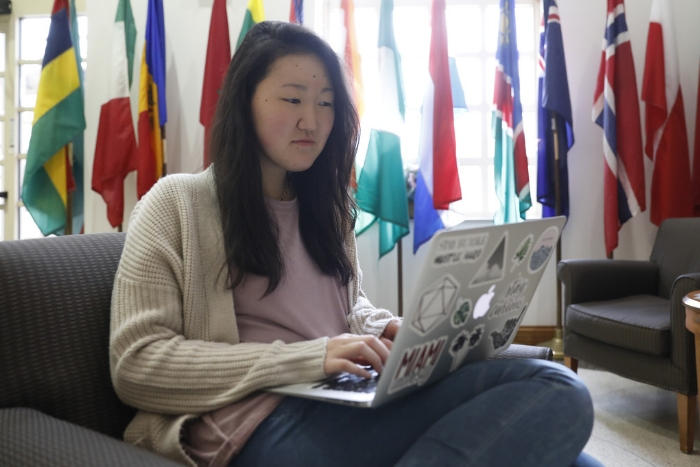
(628, 318)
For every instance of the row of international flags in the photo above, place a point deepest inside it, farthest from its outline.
(55, 156)
(53, 188)
(675, 190)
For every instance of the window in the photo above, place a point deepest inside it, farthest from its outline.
(472, 28)
(33, 32)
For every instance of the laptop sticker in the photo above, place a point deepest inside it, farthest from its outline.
(543, 249)
(484, 302)
(463, 343)
(417, 364)
(501, 338)
(461, 313)
(521, 252)
(435, 305)
(492, 269)
(513, 299)
(465, 249)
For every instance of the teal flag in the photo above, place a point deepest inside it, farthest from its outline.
(381, 187)
(512, 179)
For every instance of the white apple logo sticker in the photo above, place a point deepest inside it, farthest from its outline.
(484, 302)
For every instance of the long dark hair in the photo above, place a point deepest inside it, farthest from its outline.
(326, 207)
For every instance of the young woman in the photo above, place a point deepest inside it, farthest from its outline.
(245, 276)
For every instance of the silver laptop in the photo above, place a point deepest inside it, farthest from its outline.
(469, 300)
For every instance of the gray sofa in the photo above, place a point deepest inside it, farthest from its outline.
(57, 404)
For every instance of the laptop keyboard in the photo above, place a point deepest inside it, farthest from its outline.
(351, 383)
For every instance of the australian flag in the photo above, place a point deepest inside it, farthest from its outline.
(616, 110)
(556, 134)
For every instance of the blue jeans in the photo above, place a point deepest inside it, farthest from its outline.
(501, 413)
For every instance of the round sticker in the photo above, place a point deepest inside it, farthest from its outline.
(542, 249)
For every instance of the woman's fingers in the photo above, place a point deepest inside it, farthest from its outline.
(360, 349)
(391, 329)
(348, 351)
(346, 366)
(388, 343)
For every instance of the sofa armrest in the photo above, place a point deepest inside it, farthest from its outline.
(597, 280)
(526, 351)
(32, 439)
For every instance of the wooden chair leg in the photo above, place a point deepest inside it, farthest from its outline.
(697, 358)
(686, 421)
(571, 363)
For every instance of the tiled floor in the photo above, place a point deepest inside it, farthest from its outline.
(636, 424)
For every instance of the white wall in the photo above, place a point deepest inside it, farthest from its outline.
(187, 25)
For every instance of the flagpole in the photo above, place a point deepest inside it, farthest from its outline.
(68, 230)
(399, 266)
(165, 159)
(557, 342)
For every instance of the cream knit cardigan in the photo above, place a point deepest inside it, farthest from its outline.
(174, 345)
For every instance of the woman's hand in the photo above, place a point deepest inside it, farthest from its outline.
(390, 331)
(347, 352)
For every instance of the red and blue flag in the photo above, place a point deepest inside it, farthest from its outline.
(296, 11)
(616, 110)
(437, 183)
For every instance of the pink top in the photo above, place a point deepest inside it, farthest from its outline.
(305, 305)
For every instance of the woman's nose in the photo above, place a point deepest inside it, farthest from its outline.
(308, 119)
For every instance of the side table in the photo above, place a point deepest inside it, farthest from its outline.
(691, 302)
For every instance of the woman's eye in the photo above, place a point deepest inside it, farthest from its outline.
(326, 104)
(293, 101)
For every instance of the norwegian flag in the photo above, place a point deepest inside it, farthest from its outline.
(616, 110)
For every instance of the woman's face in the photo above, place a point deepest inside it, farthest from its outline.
(293, 113)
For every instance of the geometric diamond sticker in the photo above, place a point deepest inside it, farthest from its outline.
(434, 305)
